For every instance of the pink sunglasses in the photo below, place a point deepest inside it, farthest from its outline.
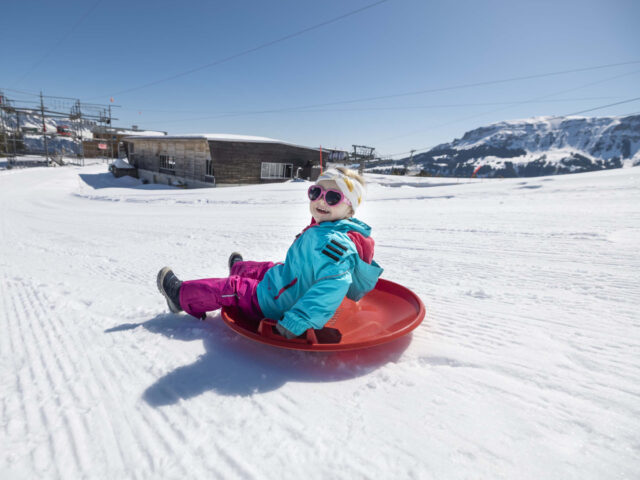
(331, 197)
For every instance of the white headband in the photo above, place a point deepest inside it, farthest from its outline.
(350, 187)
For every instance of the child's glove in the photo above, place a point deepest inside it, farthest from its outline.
(324, 335)
(285, 333)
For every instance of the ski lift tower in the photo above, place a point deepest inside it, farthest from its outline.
(410, 163)
(362, 153)
(3, 124)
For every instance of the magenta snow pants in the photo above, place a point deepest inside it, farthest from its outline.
(238, 290)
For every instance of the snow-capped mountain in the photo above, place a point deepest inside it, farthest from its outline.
(537, 146)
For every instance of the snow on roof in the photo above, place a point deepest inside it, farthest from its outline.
(122, 163)
(223, 137)
(229, 137)
(142, 133)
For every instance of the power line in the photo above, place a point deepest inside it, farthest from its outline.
(251, 50)
(533, 100)
(57, 44)
(501, 109)
(417, 92)
(405, 107)
(601, 107)
(450, 105)
(20, 91)
(54, 97)
(556, 116)
(476, 84)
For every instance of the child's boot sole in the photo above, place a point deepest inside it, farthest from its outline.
(161, 274)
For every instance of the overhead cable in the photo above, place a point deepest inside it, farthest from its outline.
(601, 107)
(506, 108)
(417, 92)
(250, 50)
(360, 109)
(58, 43)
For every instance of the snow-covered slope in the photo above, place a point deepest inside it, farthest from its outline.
(538, 146)
(525, 367)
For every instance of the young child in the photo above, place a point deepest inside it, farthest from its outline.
(331, 258)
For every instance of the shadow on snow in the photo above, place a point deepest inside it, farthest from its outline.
(107, 180)
(234, 365)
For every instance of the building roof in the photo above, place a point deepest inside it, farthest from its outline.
(142, 133)
(222, 137)
(127, 131)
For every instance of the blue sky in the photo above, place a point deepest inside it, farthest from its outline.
(94, 50)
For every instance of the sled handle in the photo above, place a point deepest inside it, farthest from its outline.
(266, 330)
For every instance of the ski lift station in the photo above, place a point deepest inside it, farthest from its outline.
(209, 160)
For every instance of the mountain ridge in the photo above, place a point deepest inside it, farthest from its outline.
(533, 147)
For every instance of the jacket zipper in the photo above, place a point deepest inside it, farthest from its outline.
(282, 290)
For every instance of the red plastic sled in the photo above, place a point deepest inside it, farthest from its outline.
(388, 312)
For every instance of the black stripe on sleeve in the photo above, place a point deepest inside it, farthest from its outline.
(334, 250)
(339, 245)
(330, 255)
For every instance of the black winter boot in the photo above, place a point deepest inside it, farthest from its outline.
(233, 258)
(169, 286)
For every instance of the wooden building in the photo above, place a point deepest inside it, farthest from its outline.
(107, 141)
(216, 159)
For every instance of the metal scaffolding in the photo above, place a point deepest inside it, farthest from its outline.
(56, 117)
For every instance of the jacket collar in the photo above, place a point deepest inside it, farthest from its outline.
(348, 225)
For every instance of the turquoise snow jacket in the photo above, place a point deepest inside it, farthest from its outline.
(321, 268)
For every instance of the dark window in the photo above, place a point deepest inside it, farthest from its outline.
(276, 170)
(209, 175)
(167, 164)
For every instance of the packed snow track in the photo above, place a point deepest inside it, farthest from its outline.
(526, 366)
